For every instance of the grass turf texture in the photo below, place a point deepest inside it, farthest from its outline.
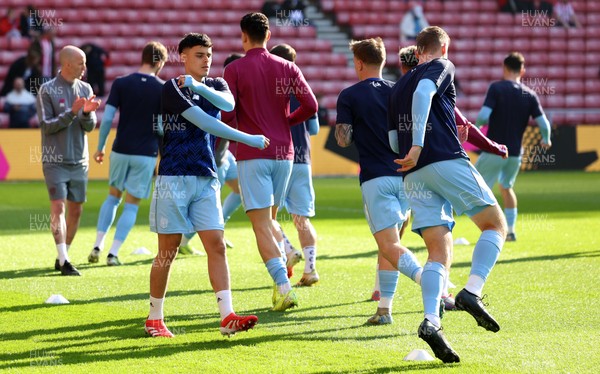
(543, 292)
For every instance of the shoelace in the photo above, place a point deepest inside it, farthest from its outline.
(481, 299)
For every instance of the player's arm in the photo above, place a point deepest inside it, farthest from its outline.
(484, 116)
(421, 104)
(213, 126)
(221, 99)
(230, 76)
(313, 125)
(544, 125)
(87, 114)
(49, 122)
(344, 134)
(105, 125)
(306, 98)
(478, 139)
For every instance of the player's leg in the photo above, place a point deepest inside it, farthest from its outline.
(76, 196)
(308, 241)
(232, 202)
(259, 193)
(507, 180)
(124, 225)
(159, 279)
(489, 165)
(185, 248)
(218, 272)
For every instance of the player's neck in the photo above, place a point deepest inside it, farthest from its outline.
(369, 74)
(513, 77)
(147, 69)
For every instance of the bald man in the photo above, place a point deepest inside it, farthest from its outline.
(66, 111)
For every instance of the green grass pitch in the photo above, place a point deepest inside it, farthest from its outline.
(544, 292)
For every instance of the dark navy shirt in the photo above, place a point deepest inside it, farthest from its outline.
(364, 106)
(185, 148)
(300, 136)
(137, 96)
(441, 136)
(512, 104)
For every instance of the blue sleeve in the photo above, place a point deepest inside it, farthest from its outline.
(344, 109)
(107, 118)
(393, 140)
(544, 125)
(313, 125)
(218, 95)
(421, 104)
(484, 116)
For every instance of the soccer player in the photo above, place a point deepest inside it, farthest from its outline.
(227, 171)
(261, 84)
(135, 149)
(439, 178)
(186, 194)
(66, 112)
(507, 107)
(300, 194)
(362, 118)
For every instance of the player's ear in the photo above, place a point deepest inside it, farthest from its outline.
(182, 56)
(268, 35)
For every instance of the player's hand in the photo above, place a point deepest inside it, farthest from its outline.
(90, 105)
(411, 159)
(99, 157)
(259, 141)
(77, 105)
(545, 145)
(186, 81)
(504, 149)
(463, 133)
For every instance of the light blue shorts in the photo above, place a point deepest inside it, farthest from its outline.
(132, 173)
(228, 169)
(435, 189)
(494, 168)
(263, 182)
(300, 194)
(385, 202)
(182, 204)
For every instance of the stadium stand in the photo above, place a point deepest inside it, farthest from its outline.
(562, 65)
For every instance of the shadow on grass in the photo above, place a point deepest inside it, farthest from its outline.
(537, 258)
(408, 366)
(366, 254)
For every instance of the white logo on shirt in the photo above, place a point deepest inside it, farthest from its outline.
(195, 97)
(376, 84)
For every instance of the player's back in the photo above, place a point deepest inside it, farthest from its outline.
(138, 97)
(512, 105)
(300, 136)
(364, 105)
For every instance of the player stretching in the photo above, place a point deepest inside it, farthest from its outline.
(132, 163)
(261, 84)
(186, 194)
(362, 118)
(422, 112)
(507, 108)
(300, 194)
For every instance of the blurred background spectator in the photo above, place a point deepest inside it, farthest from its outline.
(96, 61)
(270, 8)
(565, 14)
(20, 105)
(44, 46)
(31, 23)
(413, 22)
(9, 24)
(28, 68)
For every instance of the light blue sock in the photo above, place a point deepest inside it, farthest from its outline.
(108, 211)
(486, 253)
(388, 280)
(189, 235)
(511, 218)
(126, 221)
(231, 204)
(409, 265)
(432, 285)
(277, 270)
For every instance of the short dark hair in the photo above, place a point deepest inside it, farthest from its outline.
(370, 51)
(514, 62)
(256, 26)
(231, 58)
(193, 39)
(431, 38)
(154, 53)
(408, 58)
(284, 51)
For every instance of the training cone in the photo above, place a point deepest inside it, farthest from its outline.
(461, 241)
(418, 355)
(57, 299)
(141, 251)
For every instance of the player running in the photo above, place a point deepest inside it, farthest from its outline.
(362, 119)
(135, 149)
(186, 194)
(422, 113)
(507, 107)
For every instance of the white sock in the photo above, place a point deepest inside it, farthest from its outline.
(475, 284)
(184, 240)
(284, 288)
(418, 277)
(156, 308)
(376, 288)
(437, 322)
(224, 302)
(116, 245)
(310, 258)
(446, 282)
(100, 240)
(287, 243)
(61, 249)
(385, 302)
(68, 247)
(281, 247)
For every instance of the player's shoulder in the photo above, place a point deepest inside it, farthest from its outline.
(170, 87)
(215, 82)
(350, 90)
